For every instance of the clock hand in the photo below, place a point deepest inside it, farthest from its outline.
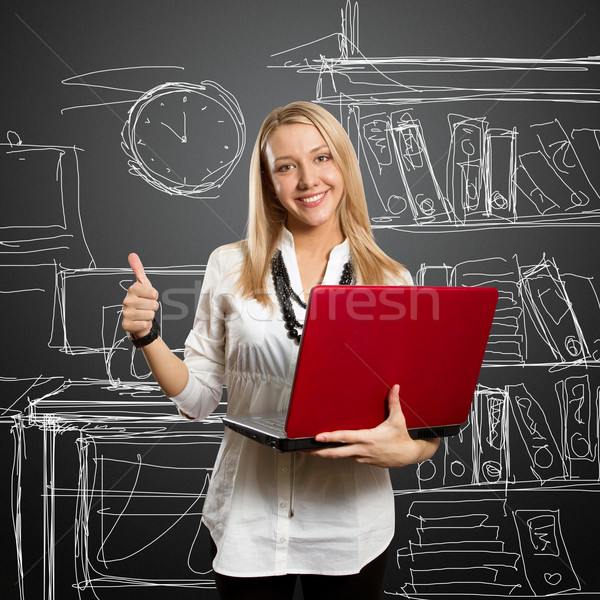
(182, 138)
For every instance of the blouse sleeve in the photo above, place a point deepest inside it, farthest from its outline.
(204, 353)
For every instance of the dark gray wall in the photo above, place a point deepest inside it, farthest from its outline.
(102, 484)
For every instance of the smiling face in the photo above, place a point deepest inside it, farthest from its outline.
(304, 177)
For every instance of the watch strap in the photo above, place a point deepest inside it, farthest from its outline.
(153, 334)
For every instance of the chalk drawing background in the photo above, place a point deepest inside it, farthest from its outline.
(128, 127)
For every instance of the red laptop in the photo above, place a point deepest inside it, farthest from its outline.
(358, 341)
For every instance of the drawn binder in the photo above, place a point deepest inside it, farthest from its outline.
(425, 196)
(464, 170)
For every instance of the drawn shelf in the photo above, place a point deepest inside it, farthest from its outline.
(395, 223)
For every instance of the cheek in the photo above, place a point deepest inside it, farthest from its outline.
(283, 186)
(277, 187)
(334, 177)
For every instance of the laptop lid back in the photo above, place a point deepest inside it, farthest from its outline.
(358, 341)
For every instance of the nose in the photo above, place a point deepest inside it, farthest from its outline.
(308, 176)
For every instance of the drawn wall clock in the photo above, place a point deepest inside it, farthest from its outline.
(185, 139)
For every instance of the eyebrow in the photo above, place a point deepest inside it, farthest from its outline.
(317, 149)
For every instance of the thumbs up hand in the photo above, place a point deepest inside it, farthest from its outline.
(141, 301)
(138, 268)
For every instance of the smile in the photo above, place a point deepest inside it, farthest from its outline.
(311, 199)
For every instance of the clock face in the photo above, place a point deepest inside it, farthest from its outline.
(185, 139)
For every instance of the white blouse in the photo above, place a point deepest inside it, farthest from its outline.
(273, 513)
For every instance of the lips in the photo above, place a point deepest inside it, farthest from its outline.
(312, 200)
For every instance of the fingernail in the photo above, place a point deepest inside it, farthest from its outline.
(320, 438)
(396, 389)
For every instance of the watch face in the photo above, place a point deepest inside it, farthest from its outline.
(185, 139)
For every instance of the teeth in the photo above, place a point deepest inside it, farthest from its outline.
(312, 198)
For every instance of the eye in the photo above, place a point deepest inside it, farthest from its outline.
(284, 168)
(323, 158)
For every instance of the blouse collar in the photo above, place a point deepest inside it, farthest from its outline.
(341, 252)
(339, 255)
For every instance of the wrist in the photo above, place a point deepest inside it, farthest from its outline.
(427, 448)
(148, 338)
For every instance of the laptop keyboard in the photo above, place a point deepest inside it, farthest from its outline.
(275, 424)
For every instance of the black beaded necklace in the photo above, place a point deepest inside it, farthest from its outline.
(285, 293)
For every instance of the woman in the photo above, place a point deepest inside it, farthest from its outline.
(271, 515)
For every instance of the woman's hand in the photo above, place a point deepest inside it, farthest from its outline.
(387, 445)
(141, 301)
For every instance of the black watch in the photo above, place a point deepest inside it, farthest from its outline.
(148, 338)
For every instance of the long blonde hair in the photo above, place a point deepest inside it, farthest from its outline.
(267, 216)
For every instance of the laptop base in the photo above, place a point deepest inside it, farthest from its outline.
(273, 435)
(277, 440)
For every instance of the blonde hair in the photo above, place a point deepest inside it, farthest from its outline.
(267, 216)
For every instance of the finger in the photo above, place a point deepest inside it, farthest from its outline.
(343, 436)
(140, 315)
(396, 416)
(395, 410)
(142, 291)
(137, 327)
(138, 268)
(348, 451)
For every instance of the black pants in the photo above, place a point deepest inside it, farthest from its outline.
(366, 585)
